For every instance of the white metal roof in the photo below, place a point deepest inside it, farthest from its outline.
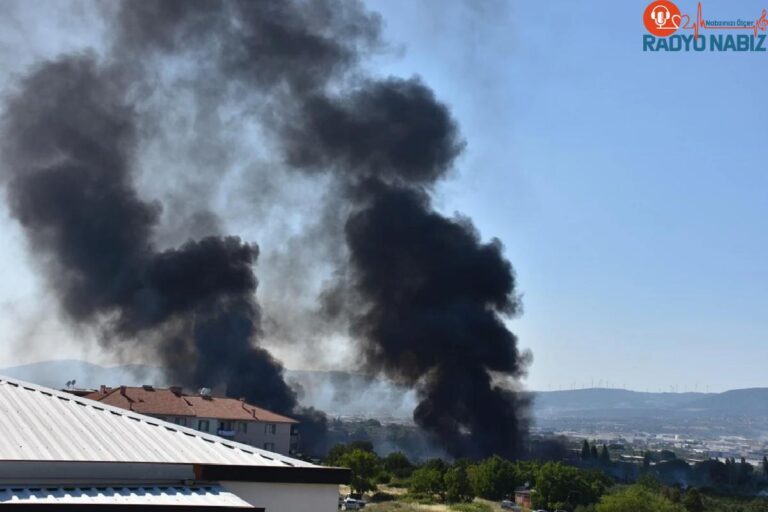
(197, 496)
(43, 424)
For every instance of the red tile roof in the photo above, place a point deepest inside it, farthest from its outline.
(233, 409)
(164, 402)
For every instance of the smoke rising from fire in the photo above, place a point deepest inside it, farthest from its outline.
(68, 145)
(423, 294)
(423, 297)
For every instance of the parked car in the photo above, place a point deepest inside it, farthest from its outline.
(511, 505)
(353, 504)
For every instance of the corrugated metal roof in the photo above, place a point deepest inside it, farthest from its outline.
(206, 496)
(42, 424)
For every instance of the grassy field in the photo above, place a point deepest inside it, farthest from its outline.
(399, 506)
(478, 505)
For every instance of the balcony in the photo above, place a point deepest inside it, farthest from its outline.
(225, 433)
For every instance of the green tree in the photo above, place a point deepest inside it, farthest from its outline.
(428, 480)
(457, 486)
(605, 457)
(672, 494)
(335, 454)
(744, 472)
(365, 467)
(398, 464)
(593, 452)
(636, 499)
(692, 501)
(525, 472)
(585, 450)
(493, 478)
(366, 446)
(650, 483)
(559, 486)
(337, 451)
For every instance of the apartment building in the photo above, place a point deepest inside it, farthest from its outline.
(229, 418)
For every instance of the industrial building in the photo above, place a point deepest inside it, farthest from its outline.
(60, 451)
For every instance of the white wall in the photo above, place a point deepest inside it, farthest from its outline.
(257, 437)
(287, 497)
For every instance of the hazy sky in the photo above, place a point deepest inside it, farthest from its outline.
(628, 188)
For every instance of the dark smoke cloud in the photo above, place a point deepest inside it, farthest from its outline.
(69, 145)
(433, 298)
(392, 130)
(71, 142)
(256, 62)
(424, 297)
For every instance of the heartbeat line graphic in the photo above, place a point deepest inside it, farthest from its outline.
(761, 24)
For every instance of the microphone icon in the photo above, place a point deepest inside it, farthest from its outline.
(660, 15)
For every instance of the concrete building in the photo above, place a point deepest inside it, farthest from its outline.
(63, 451)
(226, 417)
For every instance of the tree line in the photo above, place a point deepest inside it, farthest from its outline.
(661, 483)
(557, 485)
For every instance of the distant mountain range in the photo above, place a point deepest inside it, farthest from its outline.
(356, 395)
(623, 403)
(56, 374)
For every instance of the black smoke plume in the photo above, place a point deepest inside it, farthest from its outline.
(69, 144)
(423, 294)
(424, 297)
(434, 295)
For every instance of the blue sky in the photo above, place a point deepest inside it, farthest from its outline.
(628, 188)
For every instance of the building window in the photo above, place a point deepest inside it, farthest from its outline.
(226, 425)
(270, 428)
(203, 425)
(243, 428)
(269, 447)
